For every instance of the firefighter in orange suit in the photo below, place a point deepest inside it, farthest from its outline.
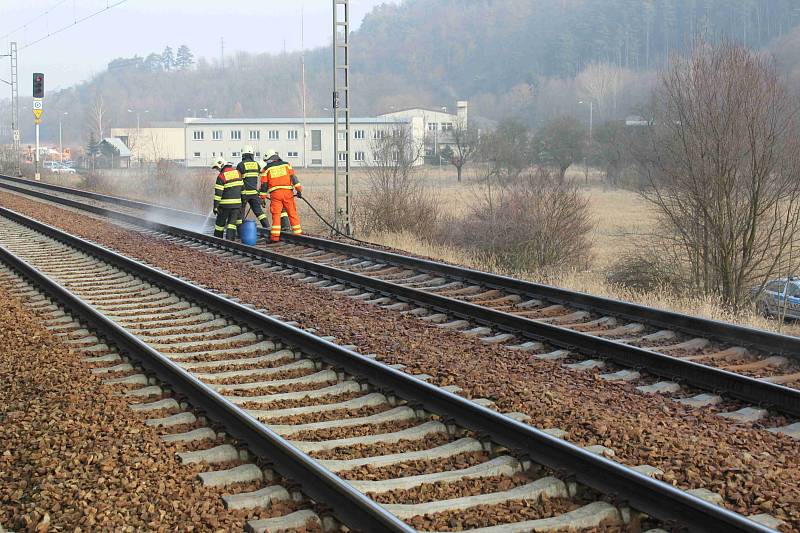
(227, 199)
(279, 181)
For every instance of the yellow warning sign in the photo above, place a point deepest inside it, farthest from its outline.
(37, 113)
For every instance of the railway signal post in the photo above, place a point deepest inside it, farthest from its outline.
(38, 98)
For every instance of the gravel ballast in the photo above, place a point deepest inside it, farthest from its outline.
(73, 457)
(755, 471)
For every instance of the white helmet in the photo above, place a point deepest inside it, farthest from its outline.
(247, 149)
(270, 153)
(218, 163)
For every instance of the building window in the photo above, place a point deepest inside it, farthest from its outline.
(447, 126)
(395, 156)
(379, 134)
(197, 154)
(292, 154)
(316, 161)
(433, 126)
(274, 135)
(255, 135)
(316, 141)
(341, 135)
(236, 135)
(291, 135)
(234, 154)
(359, 156)
(216, 135)
(359, 135)
(342, 157)
(197, 135)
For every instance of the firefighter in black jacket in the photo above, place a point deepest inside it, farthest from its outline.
(227, 199)
(250, 171)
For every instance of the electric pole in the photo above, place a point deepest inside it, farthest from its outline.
(14, 83)
(341, 112)
(303, 80)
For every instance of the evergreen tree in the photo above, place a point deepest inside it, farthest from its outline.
(184, 58)
(167, 59)
(153, 63)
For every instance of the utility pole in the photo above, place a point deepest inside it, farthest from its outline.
(341, 111)
(15, 107)
(303, 80)
(14, 83)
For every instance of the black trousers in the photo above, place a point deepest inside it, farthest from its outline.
(254, 201)
(226, 222)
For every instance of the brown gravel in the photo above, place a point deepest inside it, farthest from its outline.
(69, 459)
(325, 416)
(755, 471)
(458, 489)
(352, 431)
(304, 402)
(264, 391)
(286, 374)
(489, 515)
(361, 450)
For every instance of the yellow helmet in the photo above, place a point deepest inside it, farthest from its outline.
(218, 163)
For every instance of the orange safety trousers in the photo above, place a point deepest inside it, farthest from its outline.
(278, 201)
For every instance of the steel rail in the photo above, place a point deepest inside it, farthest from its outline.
(655, 498)
(754, 391)
(749, 337)
(352, 507)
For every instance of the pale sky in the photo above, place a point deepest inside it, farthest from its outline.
(144, 26)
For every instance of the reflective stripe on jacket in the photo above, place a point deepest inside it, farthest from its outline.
(228, 188)
(279, 175)
(250, 171)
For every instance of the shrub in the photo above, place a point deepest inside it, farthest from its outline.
(533, 222)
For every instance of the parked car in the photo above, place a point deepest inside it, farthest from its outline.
(58, 168)
(780, 297)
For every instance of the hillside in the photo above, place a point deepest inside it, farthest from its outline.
(507, 57)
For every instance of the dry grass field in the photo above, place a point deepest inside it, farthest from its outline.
(618, 215)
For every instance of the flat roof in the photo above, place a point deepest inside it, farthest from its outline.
(311, 120)
(428, 109)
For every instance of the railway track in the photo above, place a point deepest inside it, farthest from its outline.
(320, 413)
(662, 352)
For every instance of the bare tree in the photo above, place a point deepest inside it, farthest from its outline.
(395, 198)
(560, 143)
(602, 83)
(96, 118)
(466, 145)
(721, 165)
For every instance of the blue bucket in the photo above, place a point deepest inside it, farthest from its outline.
(248, 232)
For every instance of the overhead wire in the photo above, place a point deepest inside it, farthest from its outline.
(75, 23)
(15, 30)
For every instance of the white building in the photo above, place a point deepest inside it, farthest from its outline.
(155, 142)
(436, 124)
(209, 138)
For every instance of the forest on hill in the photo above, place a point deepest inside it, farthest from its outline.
(531, 60)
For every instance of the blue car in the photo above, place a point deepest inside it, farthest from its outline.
(780, 298)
